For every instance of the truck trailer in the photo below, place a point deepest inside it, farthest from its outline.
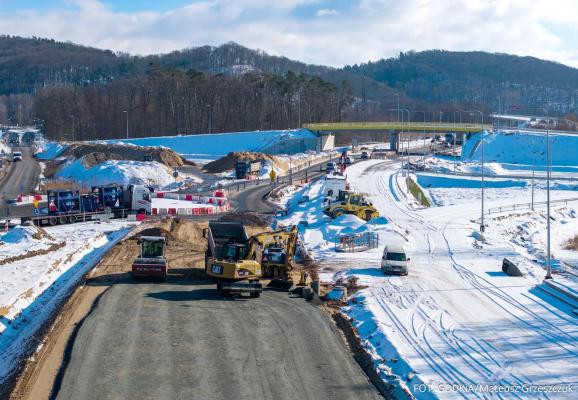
(246, 169)
(112, 201)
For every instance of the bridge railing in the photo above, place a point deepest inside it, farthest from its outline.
(424, 126)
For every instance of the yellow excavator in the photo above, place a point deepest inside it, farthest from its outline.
(277, 250)
(236, 261)
(348, 202)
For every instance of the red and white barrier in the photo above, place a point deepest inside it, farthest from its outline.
(190, 210)
(29, 198)
(219, 197)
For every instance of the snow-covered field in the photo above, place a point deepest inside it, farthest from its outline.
(526, 148)
(448, 190)
(456, 319)
(209, 147)
(120, 172)
(52, 262)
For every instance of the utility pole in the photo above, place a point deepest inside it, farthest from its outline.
(482, 133)
(533, 174)
(548, 177)
(548, 174)
(126, 112)
(407, 147)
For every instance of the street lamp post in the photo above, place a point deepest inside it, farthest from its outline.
(533, 174)
(548, 177)
(126, 113)
(407, 147)
(548, 173)
(482, 224)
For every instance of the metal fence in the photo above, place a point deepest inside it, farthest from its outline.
(356, 242)
(528, 206)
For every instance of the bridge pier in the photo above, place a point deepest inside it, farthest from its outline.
(393, 140)
(459, 138)
(326, 141)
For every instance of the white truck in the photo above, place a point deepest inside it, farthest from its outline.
(333, 184)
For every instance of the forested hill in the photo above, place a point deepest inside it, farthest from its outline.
(430, 77)
(231, 87)
(28, 64)
(479, 77)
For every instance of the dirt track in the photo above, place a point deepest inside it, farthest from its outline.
(38, 377)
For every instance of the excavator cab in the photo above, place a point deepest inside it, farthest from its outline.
(234, 252)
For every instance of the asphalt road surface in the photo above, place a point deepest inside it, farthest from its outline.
(22, 177)
(251, 197)
(181, 340)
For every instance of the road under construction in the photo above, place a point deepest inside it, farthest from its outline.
(180, 338)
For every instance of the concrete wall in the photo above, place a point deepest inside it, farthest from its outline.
(291, 146)
(326, 142)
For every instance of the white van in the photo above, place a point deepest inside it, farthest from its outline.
(394, 260)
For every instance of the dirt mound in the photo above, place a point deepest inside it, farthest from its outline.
(190, 232)
(247, 218)
(228, 162)
(177, 230)
(96, 153)
(91, 159)
(157, 230)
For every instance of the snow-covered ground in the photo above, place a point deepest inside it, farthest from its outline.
(32, 287)
(4, 148)
(49, 150)
(444, 164)
(209, 147)
(526, 148)
(456, 319)
(448, 190)
(120, 172)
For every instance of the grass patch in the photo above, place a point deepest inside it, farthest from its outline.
(572, 244)
(417, 192)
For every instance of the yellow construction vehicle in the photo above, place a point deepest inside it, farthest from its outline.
(277, 250)
(236, 261)
(351, 203)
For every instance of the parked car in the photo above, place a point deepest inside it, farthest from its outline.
(394, 260)
(364, 155)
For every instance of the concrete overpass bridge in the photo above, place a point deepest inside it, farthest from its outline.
(395, 130)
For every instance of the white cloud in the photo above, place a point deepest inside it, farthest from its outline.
(327, 12)
(368, 30)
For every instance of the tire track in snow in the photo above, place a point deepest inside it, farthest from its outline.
(463, 347)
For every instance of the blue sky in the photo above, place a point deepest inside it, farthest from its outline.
(120, 6)
(329, 32)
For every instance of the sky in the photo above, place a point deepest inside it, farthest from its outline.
(335, 33)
